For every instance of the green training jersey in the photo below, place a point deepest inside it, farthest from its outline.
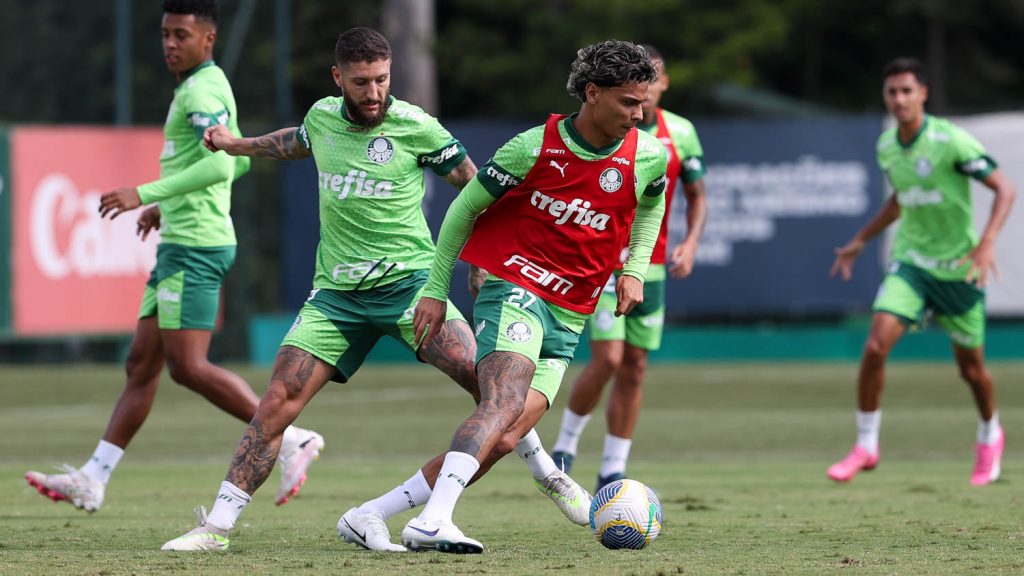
(686, 143)
(930, 177)
(514, 160)
(371, 182)
(197, 216)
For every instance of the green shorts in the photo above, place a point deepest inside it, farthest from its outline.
(183, 290)
(642, 327)
(512, 319)
(340, 327)
(959, 307)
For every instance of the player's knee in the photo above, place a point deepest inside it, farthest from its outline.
(876, 350)
(506, 444)
(142, 369)
(607, 363)
(185, 372)
(973, 373)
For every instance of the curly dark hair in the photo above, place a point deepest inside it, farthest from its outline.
(202, 9)
(361, 45)
(901, 65)
(609, 63)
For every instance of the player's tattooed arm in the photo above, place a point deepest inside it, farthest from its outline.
(504, 381)
(283, 144)
(462, 174)
(477, 276)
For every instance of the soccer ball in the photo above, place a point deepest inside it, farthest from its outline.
(625, 514)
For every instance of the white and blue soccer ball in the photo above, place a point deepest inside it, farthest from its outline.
(625, 514)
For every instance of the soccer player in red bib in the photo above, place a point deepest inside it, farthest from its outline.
(561, 200)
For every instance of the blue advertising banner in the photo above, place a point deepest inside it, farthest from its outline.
(781, 195)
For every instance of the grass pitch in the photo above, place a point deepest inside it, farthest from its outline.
(737, 453)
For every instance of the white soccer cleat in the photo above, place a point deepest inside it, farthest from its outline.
(441, 536)
(202, 538)
(367, 530)
(74, 487)
(569, 496)
(298, 450)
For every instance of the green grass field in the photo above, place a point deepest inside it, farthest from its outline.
(737, 453)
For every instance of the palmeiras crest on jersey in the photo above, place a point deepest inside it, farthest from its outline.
(518, 332)
(380, 150)
(611, 180)
(923, 167)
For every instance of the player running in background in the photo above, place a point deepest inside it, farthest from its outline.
(570, 189)
(619, 345)
(939, 264)
(197, 248)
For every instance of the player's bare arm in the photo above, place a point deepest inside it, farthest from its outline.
(283, 144)
(462, 174)
(983, 257)
(116, 202)
(684, 254)
(847, 254)
(148, 221)
(477, 276)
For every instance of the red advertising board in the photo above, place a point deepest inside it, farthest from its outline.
(73, 272)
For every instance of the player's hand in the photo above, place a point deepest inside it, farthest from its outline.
(118, 201)
(681, 260)
(217, 137)
(629, 292)
(982, 259)
(477, 276)
(148, 221)
(845, 257)
(427, 319)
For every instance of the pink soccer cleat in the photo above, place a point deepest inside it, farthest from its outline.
(299, 449)
(858, 459)
(988, 460)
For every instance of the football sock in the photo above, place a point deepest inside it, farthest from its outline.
(456, 472)
(103, 461)
(569, 434)
(532, 453)
(868, 424)
(228, 506)
(409, 494)
(616, 452)
(988, 432)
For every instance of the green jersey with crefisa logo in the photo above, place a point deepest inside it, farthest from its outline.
(371, 182)
(200, 217)
(930, 177)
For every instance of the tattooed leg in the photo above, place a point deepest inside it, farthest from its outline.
(297, 377)
(453, 351)
(504, 381)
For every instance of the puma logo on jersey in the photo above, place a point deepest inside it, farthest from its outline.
(561, 169)
(355, 182)
(563, 212)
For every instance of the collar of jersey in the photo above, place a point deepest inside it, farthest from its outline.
(344, 111)
(577, 138)
(206, 64)
(920, 131)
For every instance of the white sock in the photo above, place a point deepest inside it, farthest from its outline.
(408, 495)
(103, 461)
(569, 434)
(228, 506)
(532, 453)
(456, 472)
(616, 452)
(868, 425)
(988, 432)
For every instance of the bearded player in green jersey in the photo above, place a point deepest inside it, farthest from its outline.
(179, 306)
(375, 251)
(939, 263)
(619, 346)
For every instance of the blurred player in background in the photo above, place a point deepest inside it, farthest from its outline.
(939, 264)
(197, 248)
(619, 345)
(572, 190)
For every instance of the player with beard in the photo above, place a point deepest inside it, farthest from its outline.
(372, 263)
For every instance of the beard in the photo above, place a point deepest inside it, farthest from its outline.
(367, 120)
